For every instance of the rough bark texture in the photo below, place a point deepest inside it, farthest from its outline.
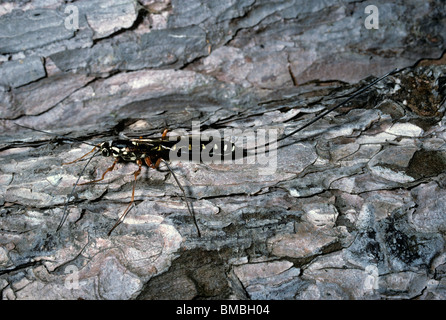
(353, 209)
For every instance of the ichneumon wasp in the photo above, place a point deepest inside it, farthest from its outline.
(155, 151)
(152, 152)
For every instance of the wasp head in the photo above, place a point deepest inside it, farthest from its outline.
(105, 149)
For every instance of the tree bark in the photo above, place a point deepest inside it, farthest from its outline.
(350, 207)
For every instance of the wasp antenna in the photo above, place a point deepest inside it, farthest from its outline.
(354, 95)
(65, 209)
(79, 159)
(185, 198)
(55, 135)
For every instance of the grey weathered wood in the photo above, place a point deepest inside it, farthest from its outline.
(353, 209)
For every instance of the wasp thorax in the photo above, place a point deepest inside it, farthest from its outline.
(105, 149)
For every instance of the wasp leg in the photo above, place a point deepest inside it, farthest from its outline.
(65, 163)
(65, 211)
(122, 217)
(184, 196)
(163, 136)
(151, 165)
(103, 175)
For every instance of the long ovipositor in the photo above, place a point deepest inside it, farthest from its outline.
(153, 151)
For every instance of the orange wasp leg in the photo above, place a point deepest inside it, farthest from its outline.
(136, 174)
(151, 165)
(122, 217)
(103, 175)
(163, 136)
(65, 163)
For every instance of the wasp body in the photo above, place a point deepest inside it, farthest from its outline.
(155, 151)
